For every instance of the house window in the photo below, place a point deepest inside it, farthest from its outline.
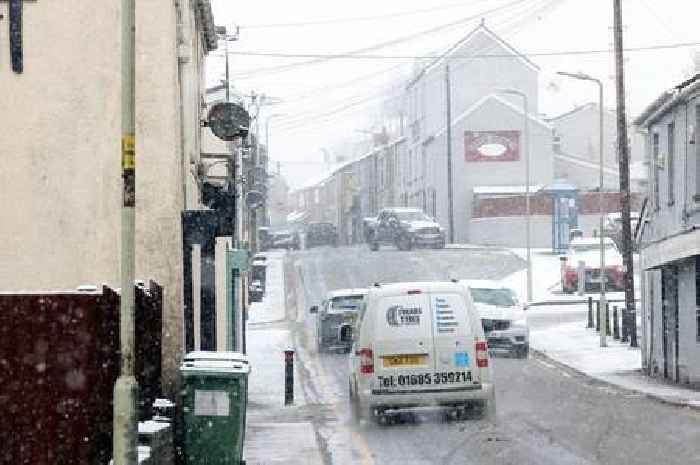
(670, 174)
(655, 169)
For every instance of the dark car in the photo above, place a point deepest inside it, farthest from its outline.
(285, 240)
(320, 234)
(406, 228)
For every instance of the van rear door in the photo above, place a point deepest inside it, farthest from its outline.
(403, 343)
(455, 354)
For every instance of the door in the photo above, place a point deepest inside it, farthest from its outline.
(669, 321)
(403, 343)
(454, 341)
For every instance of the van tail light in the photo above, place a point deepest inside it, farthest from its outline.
(482, 354)
(366, 361)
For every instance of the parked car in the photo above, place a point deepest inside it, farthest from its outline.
(336, 316)
(368, 225)
(613, 227)
(406, 228)
(264, 238)
(419, 345)
(320, 234)
(587, 249)
(502, 317)
(285, 239)
(256, 291)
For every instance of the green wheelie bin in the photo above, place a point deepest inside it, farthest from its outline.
(215, 394)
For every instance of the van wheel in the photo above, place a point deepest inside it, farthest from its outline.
(522, 351)
(374, 246)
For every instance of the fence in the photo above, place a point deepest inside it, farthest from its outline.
(59, 359)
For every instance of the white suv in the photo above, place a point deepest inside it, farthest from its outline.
(502, 316)
(417, 345)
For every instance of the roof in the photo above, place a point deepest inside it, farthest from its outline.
(479, 103)
(483, 283)
(667, 100)
(578, 109)
(481, 29)
(585, 163)
(393, 289)
(495, 190)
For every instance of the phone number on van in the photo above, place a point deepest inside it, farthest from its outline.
(445, 377)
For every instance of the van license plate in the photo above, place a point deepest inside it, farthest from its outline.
(403, 360)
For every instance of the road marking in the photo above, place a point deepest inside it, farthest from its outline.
(365, 453)
(553, 367)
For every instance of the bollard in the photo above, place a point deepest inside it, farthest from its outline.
(607, 319)
(288, 377)
(597, 312)
(625, 323)
(616, 325)
(589, 324)
(581, 277)
(632, 327)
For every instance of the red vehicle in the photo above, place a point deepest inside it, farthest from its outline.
(587, 249)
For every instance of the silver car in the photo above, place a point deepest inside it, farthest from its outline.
(336, 315)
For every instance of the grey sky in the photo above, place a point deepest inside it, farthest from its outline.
(313, 94)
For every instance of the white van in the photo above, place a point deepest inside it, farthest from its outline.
(417, 345)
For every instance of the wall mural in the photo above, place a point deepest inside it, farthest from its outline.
(491, 145)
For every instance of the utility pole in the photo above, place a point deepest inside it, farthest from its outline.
(623, 152)
(448, 135)
(126, 388)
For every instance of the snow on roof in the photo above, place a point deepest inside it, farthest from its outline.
(496, 190)
(481, 29)
(590, 241)
(585, 163)
(484, 283)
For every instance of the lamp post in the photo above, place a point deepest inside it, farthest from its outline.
(526, 143)
(601, 203)
(222, 35)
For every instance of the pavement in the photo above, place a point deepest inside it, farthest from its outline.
(272, 426)
(577, 347)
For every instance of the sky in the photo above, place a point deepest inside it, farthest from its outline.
(327, 104)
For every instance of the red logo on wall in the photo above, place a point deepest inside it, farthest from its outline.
(491, 145)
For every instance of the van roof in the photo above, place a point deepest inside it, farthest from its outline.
(483, 284)
(424, 286)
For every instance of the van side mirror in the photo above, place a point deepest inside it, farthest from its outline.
(313, 309)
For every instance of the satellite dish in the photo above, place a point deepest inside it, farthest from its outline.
(254, 199)
(228, 120)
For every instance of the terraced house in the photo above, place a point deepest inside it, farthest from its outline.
(670, 253)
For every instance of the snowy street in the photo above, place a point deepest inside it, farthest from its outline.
(547, 413)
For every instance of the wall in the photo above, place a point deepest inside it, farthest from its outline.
(61, 120)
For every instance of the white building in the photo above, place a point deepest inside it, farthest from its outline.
(487, 131)
(61, 186)
(670, 253)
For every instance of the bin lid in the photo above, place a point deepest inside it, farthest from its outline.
(215, 362)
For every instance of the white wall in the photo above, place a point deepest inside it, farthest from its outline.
(60, 186)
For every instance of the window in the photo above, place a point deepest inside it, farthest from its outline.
(655, 169)
(670, 173)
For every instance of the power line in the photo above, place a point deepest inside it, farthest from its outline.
(362, 18)
(466, 57)
(323, 58)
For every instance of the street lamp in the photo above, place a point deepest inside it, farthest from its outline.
(526, 143)
(222, 35)
(603, 277)
(267, 131)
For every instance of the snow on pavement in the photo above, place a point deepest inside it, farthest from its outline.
(574, 345)
(275, 433)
